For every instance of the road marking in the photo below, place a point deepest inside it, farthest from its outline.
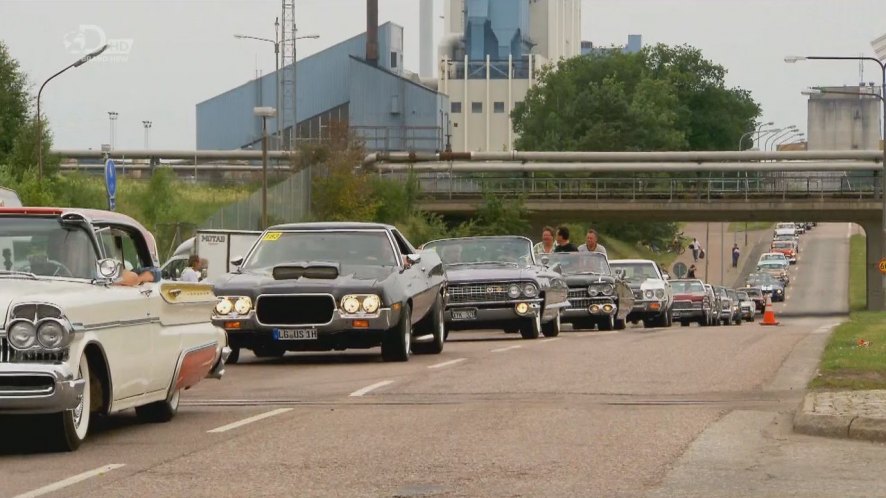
(70, 481)
(361, 392)
(501, 350)
(447, 363)
(250, 420)
(849, 230)
(549, 340)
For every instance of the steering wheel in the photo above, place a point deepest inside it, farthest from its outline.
(59, 268)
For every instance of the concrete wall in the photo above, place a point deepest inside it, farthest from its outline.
(844, 122)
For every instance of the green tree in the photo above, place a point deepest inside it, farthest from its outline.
(23, 156)
(14, 101)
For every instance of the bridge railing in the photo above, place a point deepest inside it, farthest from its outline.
(647, 186)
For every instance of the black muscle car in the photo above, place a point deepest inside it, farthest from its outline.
(596, 296)
(333, 286)
(495, 283)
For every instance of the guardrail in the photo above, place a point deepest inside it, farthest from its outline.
(754, 186)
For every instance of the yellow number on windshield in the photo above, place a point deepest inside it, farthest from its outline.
(271, 236)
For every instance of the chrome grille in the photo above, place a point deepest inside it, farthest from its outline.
(579, 298)
(9, 355)
(685, 305)
(474, 293)
(578, 292)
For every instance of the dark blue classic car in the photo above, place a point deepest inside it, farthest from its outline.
(333, 286)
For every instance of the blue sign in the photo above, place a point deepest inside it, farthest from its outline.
(111, 178)
(111, 183)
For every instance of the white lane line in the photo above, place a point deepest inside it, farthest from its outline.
(549, 340)
(447, 363)
(250, 420)
(373, 387)
(70, 481)
(501, 350)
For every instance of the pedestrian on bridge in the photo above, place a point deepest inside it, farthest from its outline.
(563, 244)
(591, 244)
(736, 253)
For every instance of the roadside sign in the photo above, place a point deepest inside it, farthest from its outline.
(882, 266)
(111, 183)
(680, 270)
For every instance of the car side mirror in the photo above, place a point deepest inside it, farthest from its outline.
(238, 261)
(109, 268)
(413, 259)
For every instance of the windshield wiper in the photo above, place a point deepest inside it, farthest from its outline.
(16, 273)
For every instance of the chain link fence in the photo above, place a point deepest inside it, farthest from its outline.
(288, 202)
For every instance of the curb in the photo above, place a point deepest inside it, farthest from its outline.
(808, 422)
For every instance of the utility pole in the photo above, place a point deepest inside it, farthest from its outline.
(147, 125)
(112, 117)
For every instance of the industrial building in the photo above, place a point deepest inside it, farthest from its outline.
(490, 55)
(848, 120)
(635, 43)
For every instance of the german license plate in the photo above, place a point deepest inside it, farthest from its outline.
(295, 334)
(468, 314)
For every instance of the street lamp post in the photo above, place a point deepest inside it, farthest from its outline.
(147, 125)
(295, 84)
(112, 119)
(796, 58)
(264, 113)
(752, 132)
(774, 137)
(79, 62)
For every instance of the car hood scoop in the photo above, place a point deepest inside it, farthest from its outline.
(313, 270)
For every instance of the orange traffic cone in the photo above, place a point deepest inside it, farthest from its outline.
(768, 314)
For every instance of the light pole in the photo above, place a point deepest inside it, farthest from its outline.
(112, 120)
(752, 132)
(276, 43)
(879, 306)
(782, 133)
(147, 125)
(295, 83)
(79, 62)
(787, 139)
(264, 113)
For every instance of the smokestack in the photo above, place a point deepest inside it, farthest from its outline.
(426, 38)
(372, 31)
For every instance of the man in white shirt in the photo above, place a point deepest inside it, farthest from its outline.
(192, 272)
(591, 244)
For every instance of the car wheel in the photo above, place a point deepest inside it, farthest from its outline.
(160, 411)
(751, 319)
(71, 426)
(438, 326)
(552, 328)
(666, 320)
(649, 323)
(234, 357)
(607, 323)
(620, 324)
(531, 328)
(397, 341)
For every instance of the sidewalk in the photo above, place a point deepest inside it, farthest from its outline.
(709, 269)
(844, 414)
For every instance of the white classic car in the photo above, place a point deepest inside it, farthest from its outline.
(75, 342)
(653, 296)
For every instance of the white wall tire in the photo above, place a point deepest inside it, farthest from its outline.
(72, 426)
(160, 411)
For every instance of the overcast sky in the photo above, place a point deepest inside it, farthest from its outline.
(177, 53)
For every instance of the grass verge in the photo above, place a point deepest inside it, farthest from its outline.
(847, 363)
(739, 226)
(618, 249)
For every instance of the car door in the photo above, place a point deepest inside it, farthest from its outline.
(416, 279)
(128, 322)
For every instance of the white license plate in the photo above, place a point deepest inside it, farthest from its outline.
(470, 314)
(295, 334)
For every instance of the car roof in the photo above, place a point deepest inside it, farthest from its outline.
(481, 237)
(333, 225)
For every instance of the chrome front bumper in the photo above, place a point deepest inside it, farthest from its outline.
(38, 388)
(507, 311)
(654, 306)
(384, 319)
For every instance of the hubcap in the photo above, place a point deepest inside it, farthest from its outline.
(78, 413)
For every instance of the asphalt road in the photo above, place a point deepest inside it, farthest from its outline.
(659, 412)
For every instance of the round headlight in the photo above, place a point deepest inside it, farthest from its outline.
(51, 335)
(514, 291)
(606, 289)
(592, 291)
(22, 335)
(350, 304)
(224, 306)
(371, 304)
(243, 305)
(649, 294)
(530, 290)
(659, 293)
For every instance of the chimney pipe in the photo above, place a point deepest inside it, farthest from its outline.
(372, 31)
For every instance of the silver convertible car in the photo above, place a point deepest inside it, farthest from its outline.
(496, 283)
(75, 342)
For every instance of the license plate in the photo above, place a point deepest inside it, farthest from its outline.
(295, 334)
(469, 314)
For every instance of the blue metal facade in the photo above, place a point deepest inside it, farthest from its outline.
(324, 82)
(497, 28)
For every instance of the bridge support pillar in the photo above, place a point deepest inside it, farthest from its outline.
(876, 298)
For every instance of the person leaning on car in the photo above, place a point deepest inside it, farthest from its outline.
(563, 244)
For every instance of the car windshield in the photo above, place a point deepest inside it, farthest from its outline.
(43, 246)
(687, 287)
(754, 293)
(772, 256)
(358, 248)
(467, 251)
(575, 263)
(770, 266)
(782, 245)
(637, 272)
(744, 296)
(761, 279)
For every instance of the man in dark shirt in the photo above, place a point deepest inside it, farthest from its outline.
(563, 244)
